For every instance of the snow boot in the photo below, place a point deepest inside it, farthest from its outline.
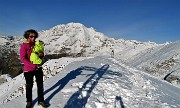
(43, 104)
(29, 105)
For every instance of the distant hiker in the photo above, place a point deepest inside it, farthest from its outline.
(32, 69)
(112, 54)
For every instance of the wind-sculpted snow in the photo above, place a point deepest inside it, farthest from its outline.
(102, 82)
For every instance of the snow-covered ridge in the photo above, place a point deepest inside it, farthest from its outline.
(99, 82)
(10, 42)
(160, 61)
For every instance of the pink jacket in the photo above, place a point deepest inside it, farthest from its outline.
(25, 52)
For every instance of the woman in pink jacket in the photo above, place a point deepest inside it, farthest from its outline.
(31, 70)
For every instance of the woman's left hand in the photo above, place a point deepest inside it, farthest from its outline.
(41, 54)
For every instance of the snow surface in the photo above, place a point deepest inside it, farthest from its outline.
(3, 41)
(98, 82)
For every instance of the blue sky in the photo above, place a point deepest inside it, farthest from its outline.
(142, 20)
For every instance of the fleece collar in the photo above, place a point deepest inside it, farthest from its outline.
(29, 42)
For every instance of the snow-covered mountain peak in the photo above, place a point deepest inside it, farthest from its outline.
(66, 28)
(75, 38)
(72, 36)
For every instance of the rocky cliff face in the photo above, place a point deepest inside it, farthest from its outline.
(9, 58)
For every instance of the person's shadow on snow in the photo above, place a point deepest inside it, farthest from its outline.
(75, 101)
(119, 98)
(61, 83)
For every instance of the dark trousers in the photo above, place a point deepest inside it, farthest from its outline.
(29, 84)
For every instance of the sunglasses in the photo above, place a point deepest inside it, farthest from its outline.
(33, 36)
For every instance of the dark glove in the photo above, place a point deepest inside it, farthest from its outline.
(41, 55)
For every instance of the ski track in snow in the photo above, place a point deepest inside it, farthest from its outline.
(100, 82)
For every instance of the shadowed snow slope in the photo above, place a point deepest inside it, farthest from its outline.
(101, 82)
(159, 61)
